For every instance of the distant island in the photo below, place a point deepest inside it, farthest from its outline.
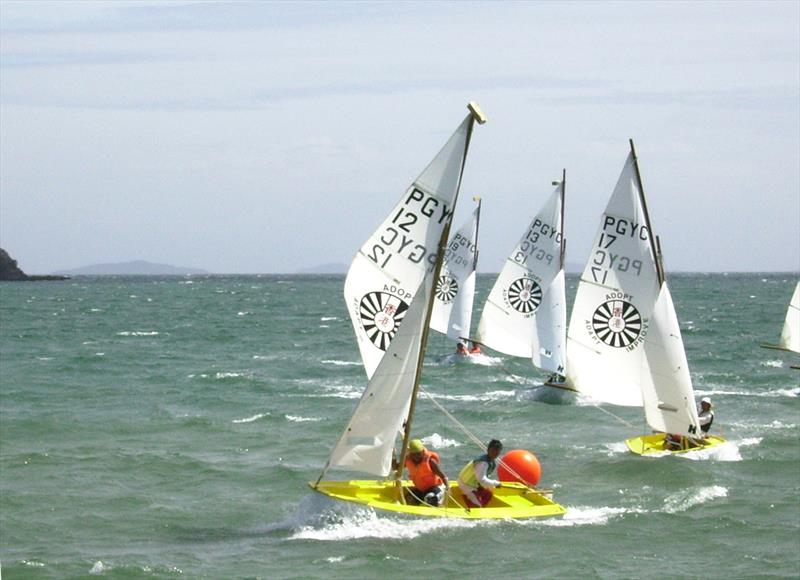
(135, 268)
(10, 272)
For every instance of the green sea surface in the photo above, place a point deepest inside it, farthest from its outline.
(167, 428)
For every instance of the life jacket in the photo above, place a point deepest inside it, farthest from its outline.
(475, 350)
(422, 473)
(707, 426)
(467, 474)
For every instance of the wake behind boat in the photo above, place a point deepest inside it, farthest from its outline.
(394, 347)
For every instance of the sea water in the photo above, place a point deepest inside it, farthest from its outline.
(167, 427)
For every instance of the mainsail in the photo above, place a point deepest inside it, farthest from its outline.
(525, 313)
(790, 336)
(614, 302)
(624, 344)
(388, 269)
(455, 288)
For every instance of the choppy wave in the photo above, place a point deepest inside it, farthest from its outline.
(341, 363)
(728, 451)
(299, 419)
(251, 419)
(138, 333)
(583, 516)
(474, 359)
(436, 441)
(688, 498)
(342, 391)
(794, 392)
(363, 523)
(484, 397)
(777, 363)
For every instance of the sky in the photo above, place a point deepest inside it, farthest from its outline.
(273, 137)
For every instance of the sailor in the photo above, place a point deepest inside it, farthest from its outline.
(705, 414)
(461, 348)
(475, 348)
(430, 482)
(475, 482)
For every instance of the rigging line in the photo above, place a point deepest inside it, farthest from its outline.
(450, 416)
(481, 445)
(618, 418)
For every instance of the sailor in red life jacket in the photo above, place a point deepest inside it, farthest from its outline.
(430, 482)
(461, 348)
(475, 348)
(474, 481)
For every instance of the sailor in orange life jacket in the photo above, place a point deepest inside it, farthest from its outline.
(474, 481)
(461, 348)
(430, 482)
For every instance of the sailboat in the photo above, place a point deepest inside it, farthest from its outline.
(525, 314)
(386, 408)
(455, 287)
(790, 336)
(624, 344)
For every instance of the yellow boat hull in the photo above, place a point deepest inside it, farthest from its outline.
(651, 444)
(511, 501)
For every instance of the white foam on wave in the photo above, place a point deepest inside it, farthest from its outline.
(616, 448)
(251, 419)
(99, 568)
(138, 333)
(728, 451)
(484, 397)
(342, 392)
(436, 441)
(328, 318)
(341, 363)
(298, 419)
(484, 360)
(365, 523)
(777, 363)
(232, 375)
(794, 392)
(688, 498)
(585, 516)
(776, 424)
(474, 359)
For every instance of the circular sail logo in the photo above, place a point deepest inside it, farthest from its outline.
(524, 295)
(617, 323)
(446, 288)
(381, 314)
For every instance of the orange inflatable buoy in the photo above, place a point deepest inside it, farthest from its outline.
(522, 463)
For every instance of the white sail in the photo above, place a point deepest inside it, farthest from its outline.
(790, 336)
(615, 301)
(390, 266)
(368, 441)
(667, 389)
(528, 297)
(455, 289)
(549, 342)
